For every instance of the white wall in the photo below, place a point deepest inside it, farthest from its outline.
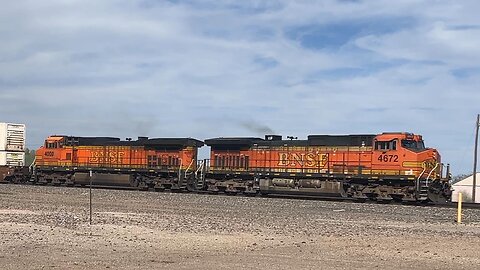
(465, 186)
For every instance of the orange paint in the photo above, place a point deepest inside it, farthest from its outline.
(372, 160)
(55, 153)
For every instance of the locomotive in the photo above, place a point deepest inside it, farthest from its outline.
(161, 163)
(383, 167)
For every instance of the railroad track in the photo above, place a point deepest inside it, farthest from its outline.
(465, 205)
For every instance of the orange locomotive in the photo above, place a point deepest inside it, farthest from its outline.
(159, 163)
(384, 167)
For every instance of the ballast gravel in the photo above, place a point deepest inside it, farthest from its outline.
(45, 227)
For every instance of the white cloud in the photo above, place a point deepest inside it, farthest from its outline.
(437, 42)
(217, 68)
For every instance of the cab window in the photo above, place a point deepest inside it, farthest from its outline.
(413, 145)
(51, 145)
(386, 145)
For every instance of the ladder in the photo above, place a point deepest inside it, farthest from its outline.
(422, 190)
(423, 184)
(200, 175)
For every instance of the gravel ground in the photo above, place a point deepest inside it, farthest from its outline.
(47, 228)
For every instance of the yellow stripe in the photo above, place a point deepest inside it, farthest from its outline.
(410, 164)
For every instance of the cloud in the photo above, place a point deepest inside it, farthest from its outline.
(438, 43)
(212, 68)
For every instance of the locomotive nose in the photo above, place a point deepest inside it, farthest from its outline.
(436, 155)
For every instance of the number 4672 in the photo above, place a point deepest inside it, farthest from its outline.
(388, 158)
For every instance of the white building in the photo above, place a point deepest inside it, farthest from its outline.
(465, 186)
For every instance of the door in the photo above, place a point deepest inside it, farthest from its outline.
(386, 160)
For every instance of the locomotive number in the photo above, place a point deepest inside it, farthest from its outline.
(388, 158)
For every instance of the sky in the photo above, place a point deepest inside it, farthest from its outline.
(211, 68)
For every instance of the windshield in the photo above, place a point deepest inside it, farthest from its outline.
(413, 145)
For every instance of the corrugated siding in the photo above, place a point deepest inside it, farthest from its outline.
(12, 137)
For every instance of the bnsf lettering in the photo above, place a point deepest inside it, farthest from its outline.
(305, 160)
(111, 157)
(49, 154)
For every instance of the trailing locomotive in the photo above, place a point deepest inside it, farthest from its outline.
(161, 163)
(384, 167)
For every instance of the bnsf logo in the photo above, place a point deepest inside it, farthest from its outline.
(49, 154)
(307, 160)
(429, 164)
(110, 157)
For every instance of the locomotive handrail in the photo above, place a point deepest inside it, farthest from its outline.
(31, 168)
(428, 177)
(188, 167)
(180, 170)
(200, 167)
(33, 163)
(420, 175)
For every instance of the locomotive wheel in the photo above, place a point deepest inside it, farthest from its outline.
(134, 183)
(142, 186)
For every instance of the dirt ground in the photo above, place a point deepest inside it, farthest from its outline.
(48, 228)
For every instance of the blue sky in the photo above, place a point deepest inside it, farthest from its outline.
(243, 68)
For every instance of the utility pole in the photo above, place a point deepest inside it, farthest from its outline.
(475, 159)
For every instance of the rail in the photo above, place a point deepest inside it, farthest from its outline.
(465, 205)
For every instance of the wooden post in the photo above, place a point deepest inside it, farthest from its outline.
(90, 198)
(459, 208)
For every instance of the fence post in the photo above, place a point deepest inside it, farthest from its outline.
(90, 198)
(459, 208)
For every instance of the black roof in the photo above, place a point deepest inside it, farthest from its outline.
(342, 140)
(233, 141)
(313, 140)
(174, 141)
(141, 141)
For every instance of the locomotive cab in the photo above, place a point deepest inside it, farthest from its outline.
(51, 150)
(405, 154)
(53, 142)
